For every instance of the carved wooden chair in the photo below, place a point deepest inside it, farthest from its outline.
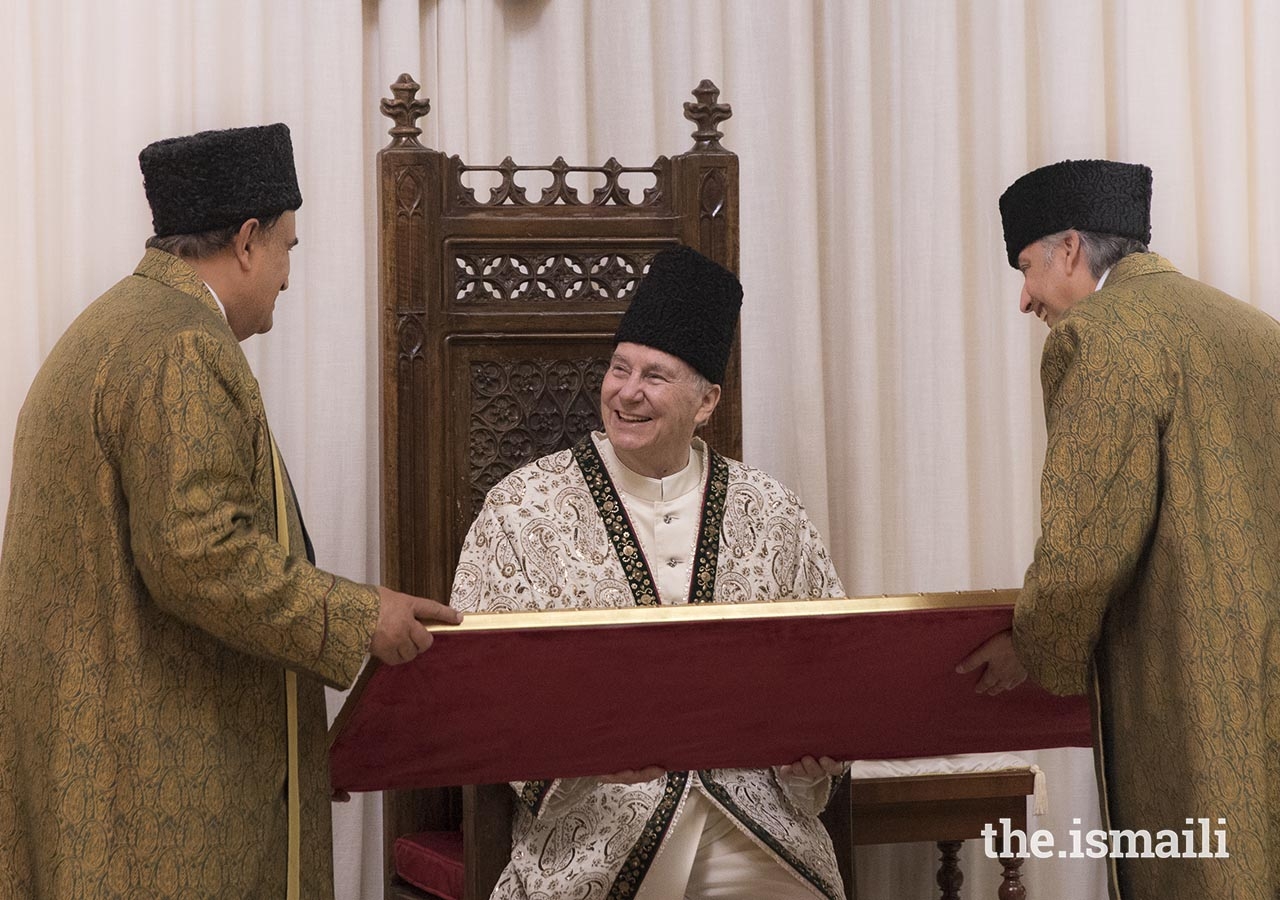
(497, 322)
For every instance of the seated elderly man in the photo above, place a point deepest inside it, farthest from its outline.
(646, 514)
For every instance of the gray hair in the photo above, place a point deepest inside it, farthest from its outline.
(1101, 250)
(700, 384)
(204, 244)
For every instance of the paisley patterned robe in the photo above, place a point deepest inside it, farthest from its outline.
(554, 535)
(147, 616)
(1158, 569)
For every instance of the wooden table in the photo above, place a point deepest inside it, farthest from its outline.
(943, 809)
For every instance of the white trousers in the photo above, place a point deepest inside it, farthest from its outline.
(708, 857)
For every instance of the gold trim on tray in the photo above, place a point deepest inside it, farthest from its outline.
(709, 612)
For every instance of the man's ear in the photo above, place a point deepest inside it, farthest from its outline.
(246, 240)
(1073, 251)
(708, 406)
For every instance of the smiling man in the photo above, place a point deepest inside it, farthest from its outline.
(1155, 584)
(640, 515)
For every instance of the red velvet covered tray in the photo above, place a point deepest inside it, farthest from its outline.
(523, 696)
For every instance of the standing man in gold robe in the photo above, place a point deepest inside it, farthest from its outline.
(164, 638)
(1155, 585)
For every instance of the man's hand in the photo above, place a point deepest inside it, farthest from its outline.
(400, 635)
(1004, 670)
(811, 770)
(634, 776)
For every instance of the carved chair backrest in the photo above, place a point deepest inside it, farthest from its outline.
(497, 320)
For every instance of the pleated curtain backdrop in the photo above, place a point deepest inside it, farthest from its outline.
(888, 376)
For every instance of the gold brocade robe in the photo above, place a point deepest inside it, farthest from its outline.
(1158, 570)
(147, 616)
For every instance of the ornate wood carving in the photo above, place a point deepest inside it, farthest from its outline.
(712, 197)
(501, 287)
(949, 875)
(707, 114)
(1011, 886)
(560, 192)
(405, 110)
(524, 409)
(408, 194)
(411, 338)
(584, 274)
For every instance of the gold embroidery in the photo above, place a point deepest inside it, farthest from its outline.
(533, 793)
(641, 857)
(703, 588)
(623, 536)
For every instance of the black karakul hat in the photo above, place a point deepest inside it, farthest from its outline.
(1086, 194)
(219, 178)
(686, 305)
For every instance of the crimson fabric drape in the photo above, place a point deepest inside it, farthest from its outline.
(526, 704)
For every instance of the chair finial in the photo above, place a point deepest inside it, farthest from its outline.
(707, 114)
(405, 110)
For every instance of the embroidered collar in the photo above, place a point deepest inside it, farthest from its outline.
(623, 537)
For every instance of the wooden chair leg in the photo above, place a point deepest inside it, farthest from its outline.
(949, 875)
(1011, 886)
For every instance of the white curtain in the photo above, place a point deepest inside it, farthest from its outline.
(888, 375)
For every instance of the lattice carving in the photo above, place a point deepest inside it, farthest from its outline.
(487, 276)
(510, 191)
(524, 409)
(585, 275)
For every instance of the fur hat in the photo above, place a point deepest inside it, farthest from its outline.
(1095, 195)
(686, 305)
(218, 178)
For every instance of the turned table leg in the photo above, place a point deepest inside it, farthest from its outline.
(1011, 886)
(949, 875)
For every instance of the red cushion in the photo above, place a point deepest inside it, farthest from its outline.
(432, 860)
